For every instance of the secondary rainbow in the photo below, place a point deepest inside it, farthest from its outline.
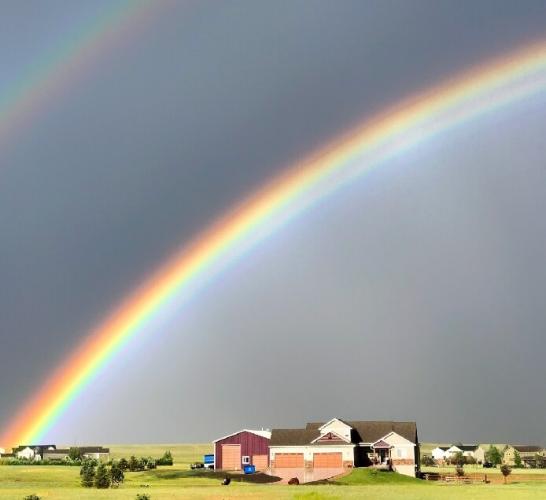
(67, 62)
(481, 90)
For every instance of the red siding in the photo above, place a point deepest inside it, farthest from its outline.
(251, 444)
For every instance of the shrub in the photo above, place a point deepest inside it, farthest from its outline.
(32, 497)
(506, 470)
(102, 477)
(517, 460)
(87, 473)
(133, 464)
(428, 461)
(142, 496)
(123, 464)
(166, 459)
(460, 471)
(116, 475)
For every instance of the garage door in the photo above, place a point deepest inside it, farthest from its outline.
(289, 460)
(327, 460)
(231, 456)
(259, 461)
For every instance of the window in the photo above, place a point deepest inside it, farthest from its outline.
(246, 460)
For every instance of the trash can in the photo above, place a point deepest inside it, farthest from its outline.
(250, 469)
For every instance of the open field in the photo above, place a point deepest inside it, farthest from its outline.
(57, 482)
(183, 454)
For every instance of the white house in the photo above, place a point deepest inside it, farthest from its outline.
(343, 444)
(468, 450)
(440, 453)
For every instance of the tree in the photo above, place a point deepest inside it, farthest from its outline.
(166, 459)
(457, 458)
(102, 477)
(428, 461)
(133, 464)
(493, 455)
(151, 463)
(506, 470)
(517, 460)
(74, 454)
(116, 474)
(87, 473)
(123, 464)
(459, 470)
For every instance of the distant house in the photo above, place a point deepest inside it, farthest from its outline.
(344, 444)
(57, 454)
(527, 454)
(474, 451)
(245, 447)
(32, 452)
(440, 453)
(96, 452)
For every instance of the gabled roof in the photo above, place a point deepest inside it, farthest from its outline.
(332, 420)
(326, 438)
(467, 447)
(369, 431)
(262, 433)
(378, 445)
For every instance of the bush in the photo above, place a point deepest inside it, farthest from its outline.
(166, 459)
(87, 473)
(32, 497)
(506, 470)
(102, 477)
(460, 471)
(142, 496)
(116, 475)
(428, 461)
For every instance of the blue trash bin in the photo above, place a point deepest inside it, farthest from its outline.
(250, 469)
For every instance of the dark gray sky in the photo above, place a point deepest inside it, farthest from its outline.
(415, 293)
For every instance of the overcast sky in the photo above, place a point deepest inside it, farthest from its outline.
(416, 293)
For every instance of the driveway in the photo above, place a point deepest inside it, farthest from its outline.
(305, 475)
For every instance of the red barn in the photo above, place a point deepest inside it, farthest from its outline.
(246, 447)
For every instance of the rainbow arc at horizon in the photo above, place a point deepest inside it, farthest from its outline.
(379, 138)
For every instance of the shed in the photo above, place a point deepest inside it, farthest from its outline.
(245, 447)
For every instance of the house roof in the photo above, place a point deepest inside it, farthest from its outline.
(293, 437)
(262, 433)
(527, 448)
(466, 447)
(34, 447)
(369, 431)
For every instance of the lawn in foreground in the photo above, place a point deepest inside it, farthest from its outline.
(177, 482)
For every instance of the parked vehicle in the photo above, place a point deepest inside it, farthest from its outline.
(208, 461)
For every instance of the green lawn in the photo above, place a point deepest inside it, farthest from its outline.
(55, 482)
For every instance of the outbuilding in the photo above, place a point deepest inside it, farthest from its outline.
(245, 447)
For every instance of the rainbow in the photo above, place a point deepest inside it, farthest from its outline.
(67, 63)
(481, 90)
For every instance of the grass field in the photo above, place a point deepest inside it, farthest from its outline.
(56, 482)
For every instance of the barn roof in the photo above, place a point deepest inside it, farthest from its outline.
(263, 433)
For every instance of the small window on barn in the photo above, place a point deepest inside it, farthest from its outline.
(246, 460)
